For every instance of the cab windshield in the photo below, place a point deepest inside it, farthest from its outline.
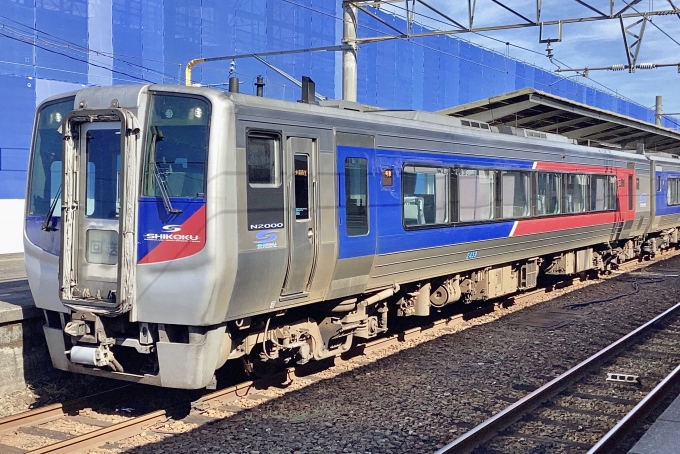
(176, 147)
(45, 172)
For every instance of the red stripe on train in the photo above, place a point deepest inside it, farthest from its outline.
(563, 167)
(555, 223)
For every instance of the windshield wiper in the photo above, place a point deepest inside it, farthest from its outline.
(163, 186)
(50, 214)
(160, 178)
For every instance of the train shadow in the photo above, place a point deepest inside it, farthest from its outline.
(414, 400)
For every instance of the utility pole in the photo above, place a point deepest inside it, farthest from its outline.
(658, 111)
(349, 52)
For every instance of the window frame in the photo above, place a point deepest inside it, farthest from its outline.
(146, 175)
(530, 196)
(367, 195)
(495, 200)
(670, 182)
(449, 203)
(277, 136)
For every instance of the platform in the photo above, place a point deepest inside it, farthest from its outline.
(16, 302)
(23, 353)
(664, 435)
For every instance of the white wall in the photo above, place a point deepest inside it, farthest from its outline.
(11, 225)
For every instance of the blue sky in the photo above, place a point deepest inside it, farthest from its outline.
(590, 44)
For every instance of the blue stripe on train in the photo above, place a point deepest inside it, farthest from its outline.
(385, 204)
(662, 207)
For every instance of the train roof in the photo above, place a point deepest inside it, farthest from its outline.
(128, 96)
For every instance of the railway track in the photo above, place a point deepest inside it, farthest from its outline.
(592, 406)
(77, 426)
(74, 426)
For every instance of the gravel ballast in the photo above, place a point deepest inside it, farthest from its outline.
(420, 395)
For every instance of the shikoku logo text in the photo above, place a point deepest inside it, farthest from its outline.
(172, 235)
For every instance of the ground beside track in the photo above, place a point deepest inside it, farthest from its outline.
(412, 400)
(409, 402)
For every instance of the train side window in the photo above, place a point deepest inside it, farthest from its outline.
(356, 196)
(673, 194)
(575, 193)
(602, 193)
(612, 193)
(658, 184)
(515, 194)
(548, 193)
(262, 153)
(425, 195)
(476, 189)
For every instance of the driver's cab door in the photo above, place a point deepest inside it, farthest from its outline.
(97, 161)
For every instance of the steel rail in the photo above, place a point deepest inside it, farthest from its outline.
(620, 430)
(125, 429)
(501, 420)
(51, 412)
(34, 417)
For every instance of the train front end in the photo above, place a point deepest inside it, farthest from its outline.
(120, 236)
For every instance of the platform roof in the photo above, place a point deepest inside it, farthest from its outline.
(539, 111)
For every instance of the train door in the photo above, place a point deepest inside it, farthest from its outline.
(302, 198)
(95, 260)
(97, 189)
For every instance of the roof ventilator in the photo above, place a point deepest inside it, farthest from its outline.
(475, 124)
(535, 134)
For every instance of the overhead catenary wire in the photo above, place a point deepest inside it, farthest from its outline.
(365, 27)
(76, 47)
(118, 57)
(76, 58)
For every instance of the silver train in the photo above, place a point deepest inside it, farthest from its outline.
(171, 229)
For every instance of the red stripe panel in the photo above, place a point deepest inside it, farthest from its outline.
(552, 224)
(188, 241)
(561, 167)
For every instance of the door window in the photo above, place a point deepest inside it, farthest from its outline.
(301, 187)
(103, 170)
(356, 196)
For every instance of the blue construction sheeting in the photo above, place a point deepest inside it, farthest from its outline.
(60, 46)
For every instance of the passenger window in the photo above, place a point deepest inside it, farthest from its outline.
(426, 195)
(602, 193)
(515, 195)
(548, 193)
(611, 193)
(356, 196)
(476, 193)
(576, 191)
(673, 194)
(262, 154)
(301, 187)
